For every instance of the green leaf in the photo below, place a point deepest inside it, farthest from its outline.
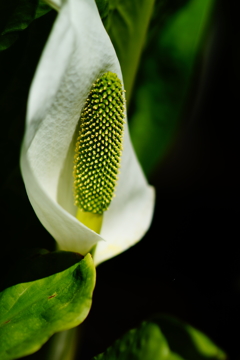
(145, 342)
(31, 312)
(187, 341)
(103, 8)
(163, 338)
(164, 80)
(127, 24)
(17, 16)
(42, 9)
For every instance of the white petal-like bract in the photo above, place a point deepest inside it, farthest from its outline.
(77, 52)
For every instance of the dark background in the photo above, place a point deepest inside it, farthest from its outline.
(187, 265)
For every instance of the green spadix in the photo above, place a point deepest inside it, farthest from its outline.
(98, 150)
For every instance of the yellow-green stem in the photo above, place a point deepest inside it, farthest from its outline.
(92, 221)
(63, 345)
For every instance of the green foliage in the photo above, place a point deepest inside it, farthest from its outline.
(103, 8)
(165, 77)
(127, 24)
(16, 16)
(187, 341)
(31, 312)
(42, 9)
(163, 338)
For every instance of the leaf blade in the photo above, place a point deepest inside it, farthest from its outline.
(17, 18)
(166, 74)
(163, 338)
(31, 312)
(127, 25)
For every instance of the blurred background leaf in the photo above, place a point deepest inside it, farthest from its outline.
(145, 342)
(187, 341)
(15, 16)
(165, 78)
(42, 9)
(103, 8)
(127, 23)
(163, 338)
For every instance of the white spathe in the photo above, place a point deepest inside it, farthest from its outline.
(77, 53)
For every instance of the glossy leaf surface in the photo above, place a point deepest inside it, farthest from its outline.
(31, 312)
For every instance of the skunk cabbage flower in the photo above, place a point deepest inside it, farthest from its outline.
(78, 53)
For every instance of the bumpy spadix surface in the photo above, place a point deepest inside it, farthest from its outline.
(99, 145)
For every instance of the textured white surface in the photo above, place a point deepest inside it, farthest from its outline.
(77, 53)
